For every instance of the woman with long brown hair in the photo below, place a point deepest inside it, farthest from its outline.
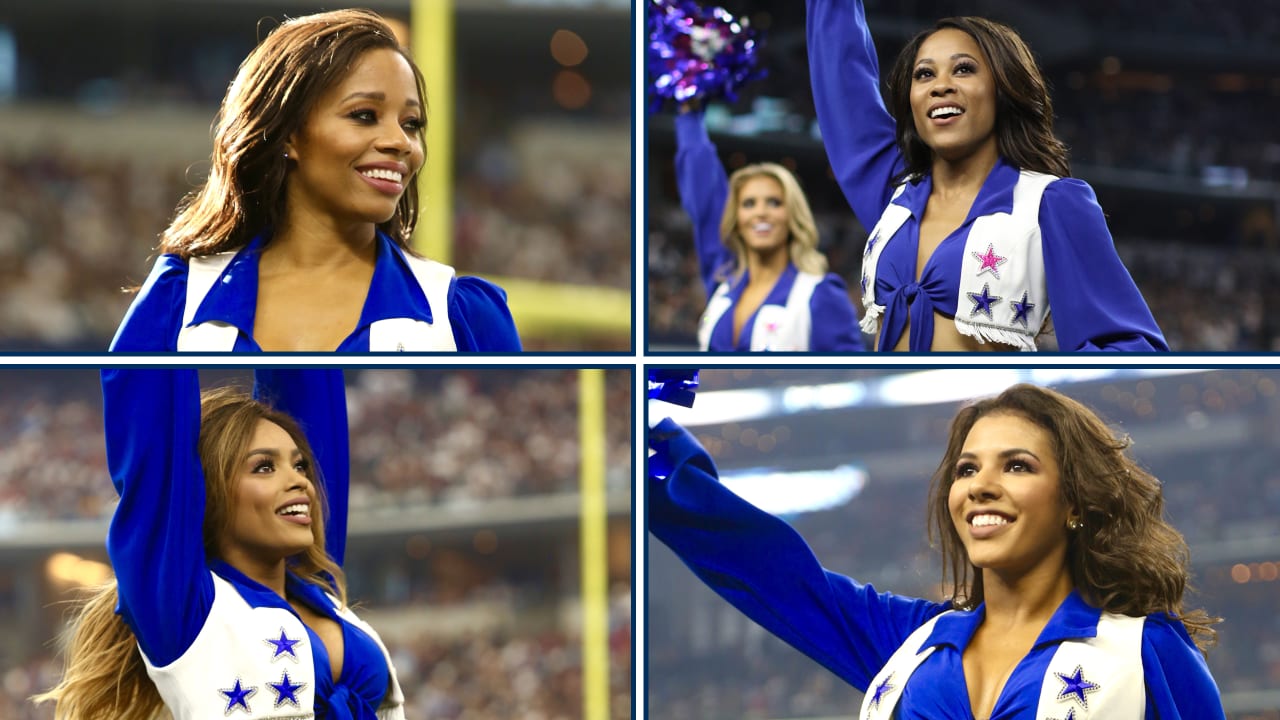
(299, 239)
(1066, 583)
(979, 238)
(227, 546)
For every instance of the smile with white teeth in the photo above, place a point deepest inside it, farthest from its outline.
(987, 520)
(297, 509)
(762, 227)
(945, 111)
(382, 174)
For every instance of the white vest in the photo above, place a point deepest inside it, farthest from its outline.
(1097, 678)
(1001, 270)
(388, 335)
(777, 328)
(237, 668)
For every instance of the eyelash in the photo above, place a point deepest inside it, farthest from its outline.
(965, 467)
(369, 117)
(920, 73)
(270, 466)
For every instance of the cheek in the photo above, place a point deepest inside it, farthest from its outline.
(955, 499)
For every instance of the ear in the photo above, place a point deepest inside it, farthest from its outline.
(291, 147)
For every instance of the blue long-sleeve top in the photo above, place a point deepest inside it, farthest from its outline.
(762, 566)
(1095, 304)
(477, 309)
(155, 541)
(704, 190)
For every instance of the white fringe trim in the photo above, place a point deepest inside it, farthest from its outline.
(988, 333)
(870, 323)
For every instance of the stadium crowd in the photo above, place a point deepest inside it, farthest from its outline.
(420, 438)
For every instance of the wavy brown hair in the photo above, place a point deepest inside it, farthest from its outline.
(269, 100)
(104, 676)
(802, 231)
(1024, 109)
(1125, 558)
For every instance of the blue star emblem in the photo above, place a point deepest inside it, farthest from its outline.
(1075, 687)
(864, 284)
(881, 691)
(1020, 310)
(983, 301)
(283, 646)
(286, 691)
(871, 243)
(238, 697)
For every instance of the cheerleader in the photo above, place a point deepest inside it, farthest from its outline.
(227, 545)
(979, 238)
(299, 240)
(1066, 583)
(758, 255)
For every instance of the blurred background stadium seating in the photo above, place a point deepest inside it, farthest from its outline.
(463, 544)
(1210, 437)
(1166, 108)
(105, 114)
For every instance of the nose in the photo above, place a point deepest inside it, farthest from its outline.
(397, 140)
(298, 480)
(941, 87)
(983, 485)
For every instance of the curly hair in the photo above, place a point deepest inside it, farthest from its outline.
(1024, 109)
(802, 241)
(1125, 558)
(104, 676)
(269, 100)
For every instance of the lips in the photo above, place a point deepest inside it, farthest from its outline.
(386, 177)
(297, 511)
(985, 523)
(945, 113)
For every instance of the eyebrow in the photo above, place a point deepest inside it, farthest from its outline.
(379, 96)
(957, 56)
(272, 452)
(1003, 454)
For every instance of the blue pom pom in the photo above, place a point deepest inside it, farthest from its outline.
(673, 385)
(697, 54)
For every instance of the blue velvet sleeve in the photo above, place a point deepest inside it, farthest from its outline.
(155, 542)
(317, 399)
(155, 317)
(835, 322)
(857, 129)
(481, 320)
(1093, 300)
(1178, 681)
(704, 190)
(764, 568)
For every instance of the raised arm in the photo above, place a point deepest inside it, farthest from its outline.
(763, 567)
(1093, 300)
(704, 190)
(156, 542)
(857, 130)
(317, 399)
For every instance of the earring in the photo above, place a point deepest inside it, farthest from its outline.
(1074, 524)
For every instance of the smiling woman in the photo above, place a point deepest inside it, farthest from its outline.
(1065, 582)
(299, 240)
(979, 239)
(227, 544)
(767, 284)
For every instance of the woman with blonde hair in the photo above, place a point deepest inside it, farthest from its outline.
(299, 239)
(757, 244)
(1066, 583)
(227, 545)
